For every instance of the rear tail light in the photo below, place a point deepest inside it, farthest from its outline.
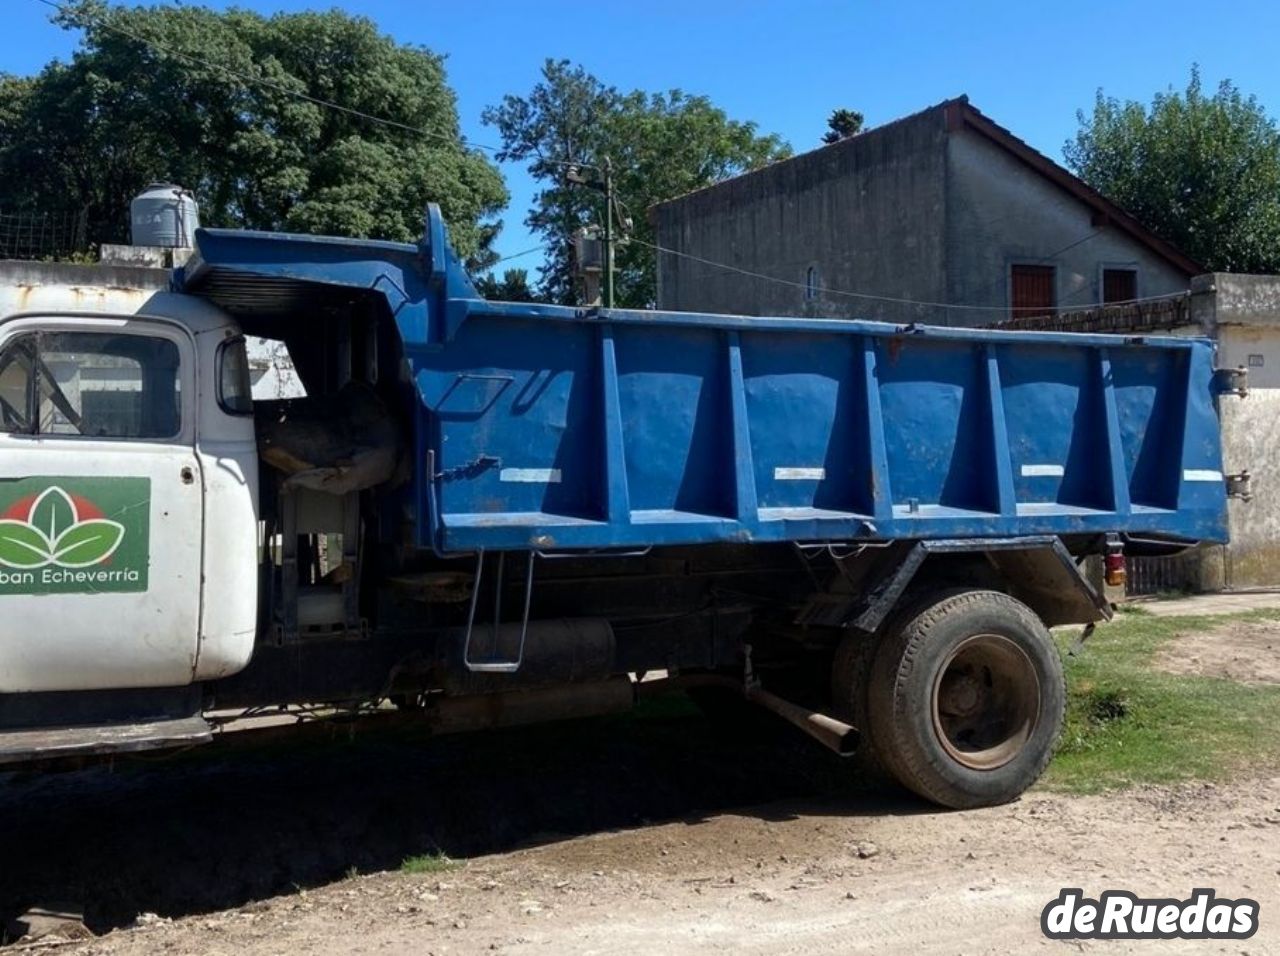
(1117, 573)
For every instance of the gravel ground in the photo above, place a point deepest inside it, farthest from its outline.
(811, 876)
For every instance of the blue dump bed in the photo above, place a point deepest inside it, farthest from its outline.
(545, 427)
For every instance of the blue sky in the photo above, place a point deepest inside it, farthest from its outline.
(786, 65)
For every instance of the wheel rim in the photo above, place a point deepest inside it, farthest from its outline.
(986, 699)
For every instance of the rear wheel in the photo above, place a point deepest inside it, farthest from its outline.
(850, 678)
(965, 699)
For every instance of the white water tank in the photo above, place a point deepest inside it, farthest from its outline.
(164, 215)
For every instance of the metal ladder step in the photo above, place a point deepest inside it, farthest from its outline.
(496, 665)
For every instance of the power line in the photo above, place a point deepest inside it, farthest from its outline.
(514, 255)
(885, 298)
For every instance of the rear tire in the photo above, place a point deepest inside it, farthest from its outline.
(850, 678)
(965, 699)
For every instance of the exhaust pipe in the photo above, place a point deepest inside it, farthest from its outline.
(831, 733)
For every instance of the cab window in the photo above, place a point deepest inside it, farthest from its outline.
(235, 390)
(91, 385)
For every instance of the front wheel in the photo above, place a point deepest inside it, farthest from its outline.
(965, 699)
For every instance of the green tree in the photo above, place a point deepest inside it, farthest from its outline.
(217, 101)
(512, 287)
(1201, 171)
(660, 145)
(842, 124)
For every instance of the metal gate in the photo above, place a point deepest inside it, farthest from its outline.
(1181, 572)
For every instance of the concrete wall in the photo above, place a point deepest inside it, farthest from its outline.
(1243, 313)
(867, 214)
(1001, 212)
(63, 287)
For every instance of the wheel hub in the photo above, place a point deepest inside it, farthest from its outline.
(959, 696)
(986, 701)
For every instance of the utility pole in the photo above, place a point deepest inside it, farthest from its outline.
(602, 183)
(608, 233)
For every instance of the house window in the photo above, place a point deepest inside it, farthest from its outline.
(811, 283)
(1032, 290)
(1119, 285)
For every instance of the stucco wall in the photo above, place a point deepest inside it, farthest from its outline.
(1238, 299)
(1251, 441)
(1245, 319)
(64, 287)
(1000, 211)
(867, 214)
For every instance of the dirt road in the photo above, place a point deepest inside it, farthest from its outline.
(608, 836)
(790, 877)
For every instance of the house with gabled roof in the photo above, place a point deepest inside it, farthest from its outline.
(943, 217)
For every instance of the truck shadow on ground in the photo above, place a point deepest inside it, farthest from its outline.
(218, 828)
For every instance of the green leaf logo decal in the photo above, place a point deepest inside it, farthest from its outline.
(53, 513)
(22, 546)
(53, 534)
(87, 543)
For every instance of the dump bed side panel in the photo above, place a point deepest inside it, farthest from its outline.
(626, 432)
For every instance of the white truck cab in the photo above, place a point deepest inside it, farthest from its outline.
(128, 498)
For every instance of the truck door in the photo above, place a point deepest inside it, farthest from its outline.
(101, 504)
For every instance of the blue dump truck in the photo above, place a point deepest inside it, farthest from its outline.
(486, 513)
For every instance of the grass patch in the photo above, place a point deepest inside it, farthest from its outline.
(1129, 723)
(1133, 610)
(428, 863)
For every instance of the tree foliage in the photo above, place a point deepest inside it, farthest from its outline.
(660, 145)
(1201, 171)
(512, 287)
(212, 100)
(842, 124)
